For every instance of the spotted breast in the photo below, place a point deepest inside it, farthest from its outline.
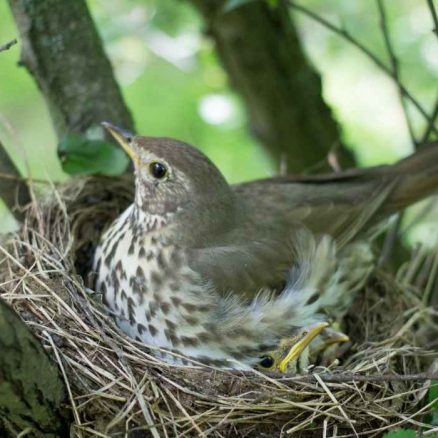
(150, 289)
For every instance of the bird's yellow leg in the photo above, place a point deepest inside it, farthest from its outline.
(305, 338)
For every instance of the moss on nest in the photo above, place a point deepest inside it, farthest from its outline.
(118, 386)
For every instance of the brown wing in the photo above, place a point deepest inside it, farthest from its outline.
(258, 253)
(270, 212)
(340, 206)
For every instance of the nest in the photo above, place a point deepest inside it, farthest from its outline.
(117, 387)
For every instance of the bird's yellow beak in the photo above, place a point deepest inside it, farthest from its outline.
(336, 338)
(298, 347)
(124, 138)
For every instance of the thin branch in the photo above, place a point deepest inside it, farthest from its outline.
(8, 45)
(434, 118)
(394, 66)
(434, 16)
(431, 124)
(352, 40)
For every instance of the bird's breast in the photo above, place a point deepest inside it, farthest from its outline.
(150, 289)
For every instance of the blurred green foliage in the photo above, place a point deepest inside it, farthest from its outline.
(433, 395)
(433, 398)
(403, 433)
(174, 85)
(83, 156)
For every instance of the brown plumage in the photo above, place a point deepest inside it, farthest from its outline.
(240, 236)
(183, 267)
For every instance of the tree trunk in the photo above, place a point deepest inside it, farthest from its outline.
(62, 50)
(260, 50)
(13, 190)
(31, 391)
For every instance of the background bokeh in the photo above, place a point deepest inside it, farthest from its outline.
(174, 85)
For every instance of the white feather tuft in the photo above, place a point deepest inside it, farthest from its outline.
(321, 280)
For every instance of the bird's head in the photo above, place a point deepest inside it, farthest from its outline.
(290, 348)
(174, 179)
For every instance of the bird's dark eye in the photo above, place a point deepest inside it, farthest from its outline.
(157, 170)
(266, 362)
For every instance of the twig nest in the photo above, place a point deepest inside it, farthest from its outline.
(117, 385)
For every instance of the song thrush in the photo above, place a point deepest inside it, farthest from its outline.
(198, 267)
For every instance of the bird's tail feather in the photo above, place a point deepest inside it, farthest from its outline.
(417, 177)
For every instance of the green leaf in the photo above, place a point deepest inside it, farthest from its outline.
(433, 394)
(402, 433)
(234, 4)
(82, 156)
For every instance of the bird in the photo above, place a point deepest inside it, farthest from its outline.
(204, 271)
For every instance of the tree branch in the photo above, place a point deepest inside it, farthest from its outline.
(62, 50)
(31, 391)
(261, 52)
(434, 16)
(431, 125)
(395, 71)
(7, 45)
(434, 118)
(348, 37)
(13, 189)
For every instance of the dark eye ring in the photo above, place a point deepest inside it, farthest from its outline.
(157, 170)
(266, 362)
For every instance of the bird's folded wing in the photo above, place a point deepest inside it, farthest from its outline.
(243, 268)
(259, 253)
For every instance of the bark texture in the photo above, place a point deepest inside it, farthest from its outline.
(13, 190)
(62, 50)
(261, 52)
(31, 391)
